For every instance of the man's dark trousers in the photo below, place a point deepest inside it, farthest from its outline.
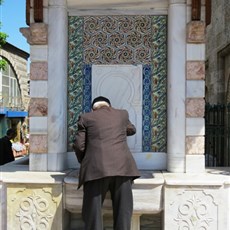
(122, 200)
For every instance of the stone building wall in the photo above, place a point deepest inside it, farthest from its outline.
(19, 65)
(218, 52)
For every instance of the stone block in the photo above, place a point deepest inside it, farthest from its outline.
(195, 52)
(195, 70)
(195, 88)
(39, 70)
(38, 89)
(195, 164)
(36, 34)
(38, 162)
(195, 126)
(38, 143)
(195, 107)
(195, 145)
(38, 125)
(38, 53)
(196, 32)
(38, 107)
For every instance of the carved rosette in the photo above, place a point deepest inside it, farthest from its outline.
(34, 213)
(194, 210)
(31, 206)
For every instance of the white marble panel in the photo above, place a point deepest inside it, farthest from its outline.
(57, 160)
(195, 126)
(38, 162)
(144, 160)
(122, 84)
(38, 53)
(195, 52)
(195, 88)
(38, 89)
(38, 125)
(151, 161)
(195, 164)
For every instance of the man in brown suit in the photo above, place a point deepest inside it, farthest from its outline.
(106, 164)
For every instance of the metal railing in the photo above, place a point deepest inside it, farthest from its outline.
(217, 135)
(12, 103)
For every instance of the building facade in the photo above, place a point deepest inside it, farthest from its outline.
(14, 95)
(148, 58)
(217, 82)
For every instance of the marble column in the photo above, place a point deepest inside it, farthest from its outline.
(176, 129)
(57, 84)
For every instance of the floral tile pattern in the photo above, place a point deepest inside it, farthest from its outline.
(120, 40)
(159, 84)
(117, 40)
(75, 73)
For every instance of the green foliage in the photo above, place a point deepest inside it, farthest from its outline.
(3, 64)
(3, 37)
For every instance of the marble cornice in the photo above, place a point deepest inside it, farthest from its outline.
(116, 4)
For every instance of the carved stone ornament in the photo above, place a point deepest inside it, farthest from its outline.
(195, 210)
(31, 206)
(34, 213)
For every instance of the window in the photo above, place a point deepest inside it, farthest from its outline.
(9, 91)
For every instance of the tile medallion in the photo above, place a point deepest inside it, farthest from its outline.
(120, 40)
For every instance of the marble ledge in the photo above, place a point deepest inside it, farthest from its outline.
(18, 172)
(211, 177)
(147, 177)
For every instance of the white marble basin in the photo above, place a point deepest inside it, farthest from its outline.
(147, 193)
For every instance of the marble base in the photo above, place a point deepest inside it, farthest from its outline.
(197, 201)
(147, 193)
(186, 199)
(195, 163)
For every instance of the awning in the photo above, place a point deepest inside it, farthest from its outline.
(16, 114)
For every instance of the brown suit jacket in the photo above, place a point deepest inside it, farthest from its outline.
(101, 145)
